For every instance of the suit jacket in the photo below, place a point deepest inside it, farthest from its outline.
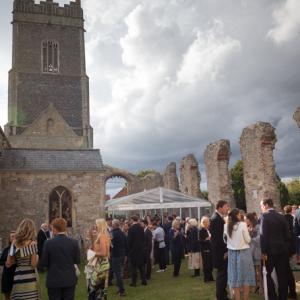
(218, 245)
(193, 242)
(148, 241)
(136, 244)
(41, 238)
(290, 220)
(59, 256)
(275, 237)
(118, 243)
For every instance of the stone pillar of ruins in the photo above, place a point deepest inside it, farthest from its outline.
(297, 116)
(170, 178)
(257, 144)
(190, 176)
(216, 157)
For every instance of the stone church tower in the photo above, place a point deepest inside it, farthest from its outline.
(48, 101)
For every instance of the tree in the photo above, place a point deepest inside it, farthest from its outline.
(143, 173)
(204, 194)
(283, 192)
(238, 185)
(294, 191)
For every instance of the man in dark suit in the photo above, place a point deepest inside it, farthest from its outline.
(148, 248)
(42, 236)
(60, 254)
(219, 248)
(275, 240)
(118, 253)
(167, 227)
(136, 241)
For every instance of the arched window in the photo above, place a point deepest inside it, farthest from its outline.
(60, 205)
(50, 56)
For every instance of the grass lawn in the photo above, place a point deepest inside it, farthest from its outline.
(161, 287)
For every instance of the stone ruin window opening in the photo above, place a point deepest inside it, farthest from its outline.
(116, 186)
(60, 205)
(50, 56)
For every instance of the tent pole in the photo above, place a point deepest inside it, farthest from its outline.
(199, 214)
(190, 212)
(180, 213)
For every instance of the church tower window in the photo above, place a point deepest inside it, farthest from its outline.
(50, 56)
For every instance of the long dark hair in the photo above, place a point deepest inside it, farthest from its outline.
(232, 220)
(252, 218)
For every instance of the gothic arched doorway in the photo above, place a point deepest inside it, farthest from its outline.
(60, 204)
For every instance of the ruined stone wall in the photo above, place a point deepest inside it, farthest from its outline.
(216, 158)
(170, 179)
(190, 176)
(150, 181)
(26, 194)
(257, 144)
(297, 116)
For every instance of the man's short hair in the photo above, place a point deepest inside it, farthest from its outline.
(221, 203)
(59, 224)
(145, 222)
(268, 202)
(134, 218)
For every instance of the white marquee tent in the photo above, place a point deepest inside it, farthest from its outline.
(158, 201)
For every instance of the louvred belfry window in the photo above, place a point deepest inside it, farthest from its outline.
(50, 56)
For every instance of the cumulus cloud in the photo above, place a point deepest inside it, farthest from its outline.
(287, 22)
(169, 77)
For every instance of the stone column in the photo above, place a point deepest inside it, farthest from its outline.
(297, 116)
(257, 144)
(170, 178)
(190, 176)
(216, 157)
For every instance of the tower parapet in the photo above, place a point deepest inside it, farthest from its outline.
(48, 7)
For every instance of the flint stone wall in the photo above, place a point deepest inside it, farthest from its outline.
(190, 176)
(170, 179)
(216, 157)
(26, 195)
(297, 116)
(257, 144)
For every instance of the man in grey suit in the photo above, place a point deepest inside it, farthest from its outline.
(60, 254)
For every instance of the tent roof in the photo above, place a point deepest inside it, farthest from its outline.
(158, 198)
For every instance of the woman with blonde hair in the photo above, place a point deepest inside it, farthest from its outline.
(176, 246)
(205, 243)
(23, 253)
(98, 264)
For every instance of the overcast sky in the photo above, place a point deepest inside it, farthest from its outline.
(168, 77)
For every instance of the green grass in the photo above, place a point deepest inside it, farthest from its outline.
(162, 286)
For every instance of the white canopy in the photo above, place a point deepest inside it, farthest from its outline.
(156, 199)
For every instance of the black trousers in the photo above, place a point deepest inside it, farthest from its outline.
(281, 265)
(207, 265)
(221, 281)
(148, 266)
(65, 293)
(176, 257)
(291, 283)
(162, 258)
(134, 269)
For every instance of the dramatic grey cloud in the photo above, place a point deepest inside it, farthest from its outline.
(169, 77)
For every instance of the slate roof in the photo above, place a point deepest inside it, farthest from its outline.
(51, 160)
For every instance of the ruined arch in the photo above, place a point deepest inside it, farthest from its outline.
(131, 179)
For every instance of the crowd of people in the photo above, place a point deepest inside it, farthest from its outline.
(236, 244)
